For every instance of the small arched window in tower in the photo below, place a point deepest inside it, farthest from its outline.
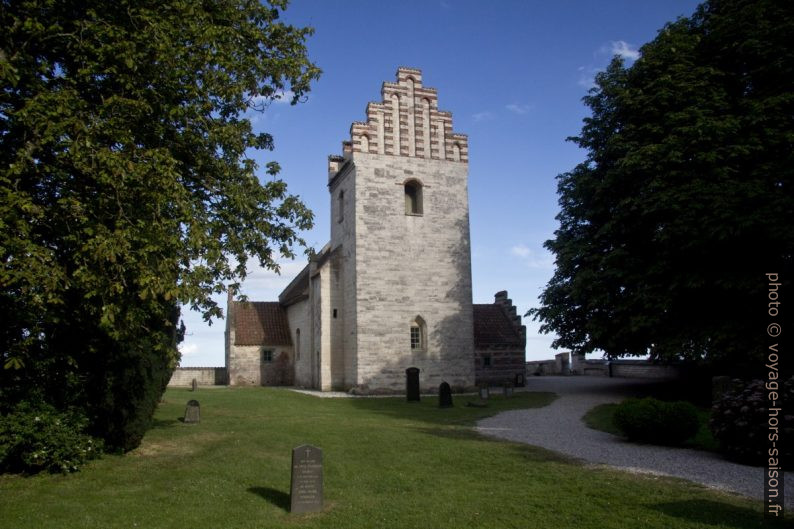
(413, 198)
(340, 206)
(364, 143)
(418, 334)
(456, 151)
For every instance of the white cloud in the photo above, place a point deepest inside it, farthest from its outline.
(587, 76)
(188, 349)
(541, 260)
(482, 116)
(624, 49)
(516, 108)
(520, 250)
(283, 97)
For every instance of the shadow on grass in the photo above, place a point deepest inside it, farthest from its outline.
(166, 423)
(428, 410)
(711, 513)
(277, 497)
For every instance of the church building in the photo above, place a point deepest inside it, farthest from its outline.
(392, 289)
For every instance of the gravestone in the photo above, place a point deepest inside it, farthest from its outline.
(507, 390)
(484, 392)
(519, 380)
(193, 385)
(306, 486)
(412, 384)
(444, 396)
(192, 412)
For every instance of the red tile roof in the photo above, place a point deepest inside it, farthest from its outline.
(260, 323)
(493, 326)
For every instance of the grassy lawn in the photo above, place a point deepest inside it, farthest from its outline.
(600, 418)
(388, 463)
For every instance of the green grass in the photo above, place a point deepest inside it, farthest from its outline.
(388, 464)
(600, 418)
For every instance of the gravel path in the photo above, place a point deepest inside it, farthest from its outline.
(559, 427)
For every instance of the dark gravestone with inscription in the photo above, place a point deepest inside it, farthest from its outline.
(192, 412)
(306, 489)
(412, 384)
(444, 396)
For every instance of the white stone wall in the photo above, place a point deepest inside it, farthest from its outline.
(344, 279)
(247, 369)
(408, 266)
(204, 376)
(298, 317)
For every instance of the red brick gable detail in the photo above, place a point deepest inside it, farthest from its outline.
(493, 326)
(260, 323)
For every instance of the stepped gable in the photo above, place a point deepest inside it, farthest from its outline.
(498, 323)
(406, 122)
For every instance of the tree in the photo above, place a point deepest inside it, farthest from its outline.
(127, 188)
(685, 198)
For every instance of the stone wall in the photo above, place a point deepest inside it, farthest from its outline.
(246, 367)
(601, 368)
(204, 376)
(395, 266)
(409, 266)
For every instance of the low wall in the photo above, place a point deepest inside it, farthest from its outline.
(601, 368)
(205, 376)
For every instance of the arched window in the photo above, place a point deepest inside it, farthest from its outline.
(418, 334)
(413, 198)
(340, 205)
(364, 143)
(297, 344)
(456, 151)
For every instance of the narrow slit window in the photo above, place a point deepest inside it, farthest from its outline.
(413, 198)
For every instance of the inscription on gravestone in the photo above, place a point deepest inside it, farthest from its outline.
(444, 396)
(412, 384)
(192, 412)
(306, 488)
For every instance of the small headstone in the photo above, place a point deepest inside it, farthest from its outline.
(306, 486)
(194, 385)
(412, 384)
(484, 392)
(192, 412)
(444, 396)
(507, 390)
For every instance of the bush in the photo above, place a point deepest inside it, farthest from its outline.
(654, 421)
(740, 422)
(38, 438)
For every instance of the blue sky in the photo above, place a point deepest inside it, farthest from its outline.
(513, 74)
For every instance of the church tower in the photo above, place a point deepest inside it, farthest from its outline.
(399, 290)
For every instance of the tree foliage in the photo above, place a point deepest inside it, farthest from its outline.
(685, 198)
(127, 188)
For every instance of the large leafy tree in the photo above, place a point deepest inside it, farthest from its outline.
(127, 188)
(685, 198)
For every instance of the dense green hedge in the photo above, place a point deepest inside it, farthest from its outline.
(654, 421)
(39, 438)
(740, 422)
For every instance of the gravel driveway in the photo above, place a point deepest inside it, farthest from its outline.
(559, 427)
